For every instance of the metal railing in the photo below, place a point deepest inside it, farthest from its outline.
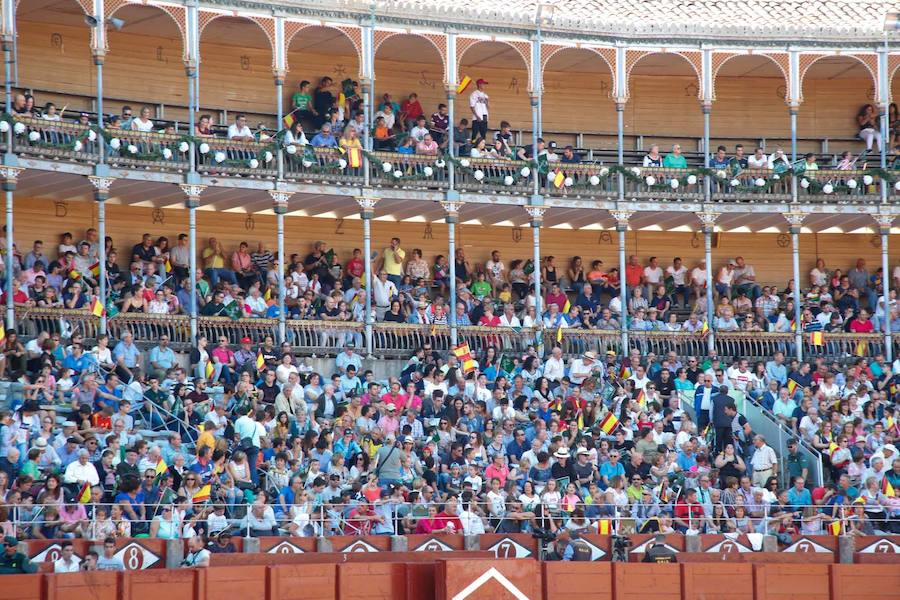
(55, 140)
(389, 169)
(828, 185)
(154, 150)
(664, 184)
(221, 156)
(751, 185)
(319, 165)
(391, 340)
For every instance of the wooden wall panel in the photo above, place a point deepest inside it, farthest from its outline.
(865, 582)
(772, 262)
(148, 70)
(713, 582)
(792, 582)
(638, 581)
(576, 581)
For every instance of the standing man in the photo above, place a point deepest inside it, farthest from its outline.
(721, 419)
(479, 102)
(703, 402)
(764, 461)
(392, 262)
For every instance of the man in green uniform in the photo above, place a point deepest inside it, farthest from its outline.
(12, 561)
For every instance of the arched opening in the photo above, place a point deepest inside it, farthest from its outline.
(506, 72)
(236, 72)
(144, 65)
(315, 52)
(577, 98)
(53, 32)
(406, 64)
(749, 105)
(663, 106)
(834, 90)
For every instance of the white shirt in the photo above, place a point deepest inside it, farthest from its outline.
(507, 322)
(61, 566)
(76, 472)
(698, 276)
(383, 291)
(478, 101)
(764, 459)
(652, 275)
(234, 131)
(726, 276)
(758, 163)
(579, 371)
(554, 369)
(472, 523)
(739, 379)
(677, 274)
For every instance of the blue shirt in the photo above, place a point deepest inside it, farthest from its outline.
(326, 141)
(164, 357)
(343, 360)
(801, 498)
(129, 353)
(686, 462)
(776, 372)
(77, 364)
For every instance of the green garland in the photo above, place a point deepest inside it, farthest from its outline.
(408, 172)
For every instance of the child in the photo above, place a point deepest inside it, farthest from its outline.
(571, 499)
(474, 478)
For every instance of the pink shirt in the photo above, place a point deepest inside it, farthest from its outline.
(224, 355)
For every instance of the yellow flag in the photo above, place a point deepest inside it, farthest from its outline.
(466, 81)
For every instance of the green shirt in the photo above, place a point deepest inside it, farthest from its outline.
(17, 563)
(480, 289)
(301, 100)
(795, 464)
(675, 162)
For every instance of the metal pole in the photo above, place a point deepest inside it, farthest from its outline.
(10, 271)
(710, 308)
(367, 206)
(191, 72)
(279, 104)
(795, 250)
(192, 204)
(451, 137)
(793, 113)
(707, 183)
(535, 99)
(101, 226)
(623, 296)
(886, 291)
(536, 230)
(620, 160)
(282, 317)
(98, 61)
(452, 218)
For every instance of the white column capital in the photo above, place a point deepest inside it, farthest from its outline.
(10, 174)
(537, 214)
(101, 186)
(192, 191)
(280, 196)
(367, 205)
(708, 219)
(451, 207)
(795, 220)
(884, 222)
(622, 217)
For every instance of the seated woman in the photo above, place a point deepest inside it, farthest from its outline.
(653, 158)
(867, 121)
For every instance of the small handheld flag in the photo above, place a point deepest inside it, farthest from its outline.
(625, 373)
(791, 386)
(354, 157)
(84, 494)
(817, 338)
(95, 269)
(97, 308)
(604, 527)
(202, 495)
(210, 369)
(289, 120)
(835, 527)
(641, 398)
(2, 333)
(559, 333)
(886, 488)
(268, 295)
(705, 329)
(862, 348)
(168, 265)
(260, 361)
(466, 82)
(567, 307)
(464, 355)
(609, 423)
(559, 179)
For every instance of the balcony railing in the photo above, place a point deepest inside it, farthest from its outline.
(392, 340)
(218, 156)
(160, 151)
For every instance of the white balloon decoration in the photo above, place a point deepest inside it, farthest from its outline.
(219, 157)
(254, 164)
(167, 154)
(594, 180)
(427, 171)
(508, 180)
(479, 175)
(650, 180)
(204, 148)
(115, 143)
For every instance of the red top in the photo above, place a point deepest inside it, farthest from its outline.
(411, 110)
(858, 326)
(356, 267)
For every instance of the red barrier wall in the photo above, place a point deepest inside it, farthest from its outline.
(303, 582)
(160, 584)
(703, 581)
(369, 581)
(487, 579)
(792, 582)
(94, 585)
(639, 581)
(865, 582)
(578, 581)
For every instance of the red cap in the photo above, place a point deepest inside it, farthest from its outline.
(481, 82)
(245, 340)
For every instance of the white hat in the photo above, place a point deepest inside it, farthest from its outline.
(390, 407)
(561, 453)
(40, 443)
(583, 451)
(590, 355)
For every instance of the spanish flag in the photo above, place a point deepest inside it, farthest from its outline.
(604, 527)
(260, 361)
(625, 373)
(464, 355)
(791, 386)
(559, 179)
(202, 495)
(168, 265)
(73, 274)
(95, 269)
(835, 527)
(466, 82)
(831, 448)
(210, 369)
(817, 338)
(161, 467)
(2, 332)
(886, 488)
(567, 307)
(641, 398)
(97, 308)
(559, 333)
(609, 423)
(862, 347)
(705, 329)
(793, 325)
(289, 120)
(342, 100)
(268, 295)
(354, 157)
(84, 494)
